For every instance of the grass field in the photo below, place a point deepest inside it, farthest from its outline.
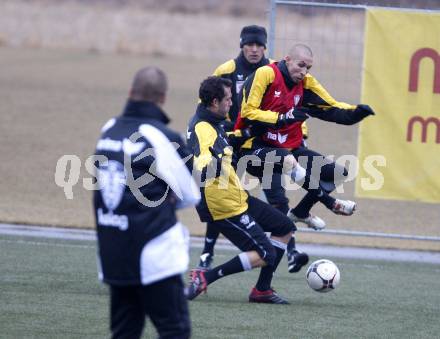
(49, 289)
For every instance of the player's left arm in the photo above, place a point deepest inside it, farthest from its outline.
(254, 89)
(323, 106)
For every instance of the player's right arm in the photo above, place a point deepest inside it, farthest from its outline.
(253, 92)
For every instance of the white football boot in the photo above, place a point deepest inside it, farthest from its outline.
(312, 221)
(344, 207)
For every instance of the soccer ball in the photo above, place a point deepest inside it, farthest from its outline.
(323, 275)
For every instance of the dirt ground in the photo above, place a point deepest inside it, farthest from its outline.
(54, 103)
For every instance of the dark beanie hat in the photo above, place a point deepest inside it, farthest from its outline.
(253, 33)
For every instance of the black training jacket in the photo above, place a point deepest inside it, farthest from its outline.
(137, 194)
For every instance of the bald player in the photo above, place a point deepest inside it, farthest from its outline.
(142, 248)
(277, 98)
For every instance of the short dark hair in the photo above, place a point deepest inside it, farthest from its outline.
(213, 88)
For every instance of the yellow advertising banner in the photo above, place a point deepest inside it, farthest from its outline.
(399, 148)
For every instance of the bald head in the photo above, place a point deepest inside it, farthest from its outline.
(299, 60)
(149, 84)
(300, 50)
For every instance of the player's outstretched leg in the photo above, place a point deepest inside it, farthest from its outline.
(263, 292)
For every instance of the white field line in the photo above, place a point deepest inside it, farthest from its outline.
(373, 234)
(197, 242)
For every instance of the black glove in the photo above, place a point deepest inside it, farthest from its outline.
(294, 115)
(362, 111)
(247, 133)
(237, 141)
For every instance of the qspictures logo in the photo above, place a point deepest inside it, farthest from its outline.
(112, 178)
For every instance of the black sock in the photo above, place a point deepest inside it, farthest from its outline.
(210, 238)
(314, 194)
(326, 199)
(232, 266)
(291, 244)
(266, 273)
(302, 210)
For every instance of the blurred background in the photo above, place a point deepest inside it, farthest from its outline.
(66, 68)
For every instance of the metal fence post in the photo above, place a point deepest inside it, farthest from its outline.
(272, 19)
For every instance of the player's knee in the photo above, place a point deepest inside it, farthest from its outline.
(339, 173)
(252, 259)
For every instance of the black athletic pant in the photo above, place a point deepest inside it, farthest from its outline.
(247, 230)
(329, 174)
(316, 167)
(258, 211)
(163, 302)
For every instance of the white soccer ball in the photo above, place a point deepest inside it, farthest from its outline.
(323, 275)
